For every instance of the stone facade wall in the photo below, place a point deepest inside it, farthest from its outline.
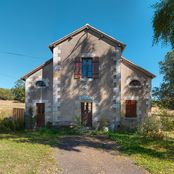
(99, 91)
(63, 94)
(40, 95)
(141, 95)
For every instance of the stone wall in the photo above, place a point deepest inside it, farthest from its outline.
(99, 91)
(40, 95)
(141, 95)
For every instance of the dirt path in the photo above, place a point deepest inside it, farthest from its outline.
(93, 155)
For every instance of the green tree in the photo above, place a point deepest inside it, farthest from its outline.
(163, 22)
(164, 95)
(6, 94)
(19, 91)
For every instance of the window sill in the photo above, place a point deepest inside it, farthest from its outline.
(135, 87)
(130, 118)
(86, 79)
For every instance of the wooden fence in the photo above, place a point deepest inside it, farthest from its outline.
(18, 114)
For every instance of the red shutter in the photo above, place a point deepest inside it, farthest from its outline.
(95, 67)
(77, 68)
(131, 108)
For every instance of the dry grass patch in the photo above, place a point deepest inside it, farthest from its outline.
(6, 107)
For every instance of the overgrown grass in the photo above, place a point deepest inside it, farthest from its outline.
(157, 156)
(28, 152)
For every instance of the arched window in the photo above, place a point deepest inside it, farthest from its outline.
(40, 84)
(135, 84)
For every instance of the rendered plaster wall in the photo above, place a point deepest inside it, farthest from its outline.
(141, 95)
(68, 93)
(40, 95)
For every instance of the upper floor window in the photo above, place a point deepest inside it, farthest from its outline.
(86, 68)
(40, 84)
(135, 84)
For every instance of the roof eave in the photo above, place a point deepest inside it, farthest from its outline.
(149, 74)
(36, 69)
(87, 26)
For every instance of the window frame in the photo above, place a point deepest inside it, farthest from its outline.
(136, 86)
(37, 86)
(85, 65)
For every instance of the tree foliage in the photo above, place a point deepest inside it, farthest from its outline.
(19, 91)
(163, 22)
(6, 94)
(164, 95)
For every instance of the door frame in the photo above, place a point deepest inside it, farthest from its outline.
(131, 108)
(89, 115)
(40, 112)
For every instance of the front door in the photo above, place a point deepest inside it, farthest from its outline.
(86, 113)
(40, 109)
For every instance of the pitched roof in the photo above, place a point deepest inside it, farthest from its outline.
(37, 69)
(86, 27)
(149, 74)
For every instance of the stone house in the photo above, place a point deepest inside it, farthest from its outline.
(87, 77)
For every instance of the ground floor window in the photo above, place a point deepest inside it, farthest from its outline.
(131, 108)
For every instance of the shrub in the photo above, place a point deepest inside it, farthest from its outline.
(49, 125)
(9, 124)
(6, 94)
(150, 127)
(167, 123)
(78, 121)
(30, 119)
(103, 123)
(167, 120)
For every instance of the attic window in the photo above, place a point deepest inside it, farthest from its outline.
(40, 84)
(135, 84)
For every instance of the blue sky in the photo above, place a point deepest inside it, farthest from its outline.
(28, 26)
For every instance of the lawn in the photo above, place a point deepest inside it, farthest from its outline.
(28, 152)
(33, 152)
(157, 156)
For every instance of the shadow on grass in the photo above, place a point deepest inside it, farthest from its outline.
(127, 143)
(134, 144)
(62, 138)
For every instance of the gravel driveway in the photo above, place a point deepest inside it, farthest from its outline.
(93, 155)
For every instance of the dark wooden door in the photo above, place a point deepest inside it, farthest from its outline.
(86, 114)
(40, 114)
(131, 108)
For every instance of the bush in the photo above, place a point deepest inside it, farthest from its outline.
(9, 124)
(49, 125)
(103, 123)
(78, 122)
(167, 123)
(30, 119)
(150, 127)
(6, 94)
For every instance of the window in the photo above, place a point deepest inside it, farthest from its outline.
(87, 68)
(40, 84)
(131, 108)
(135, 84)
